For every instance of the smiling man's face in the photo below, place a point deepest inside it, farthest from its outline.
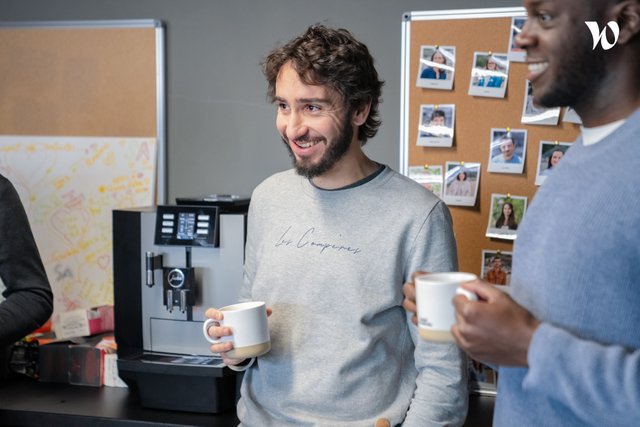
(312, 123)
(556, 39)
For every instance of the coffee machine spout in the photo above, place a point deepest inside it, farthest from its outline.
(169, 302)
(184, 299)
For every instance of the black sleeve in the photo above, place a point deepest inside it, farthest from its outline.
(28, 298)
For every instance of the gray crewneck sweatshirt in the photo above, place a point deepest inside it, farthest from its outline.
(331, 265)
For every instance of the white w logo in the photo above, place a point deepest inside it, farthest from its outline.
(601, 36)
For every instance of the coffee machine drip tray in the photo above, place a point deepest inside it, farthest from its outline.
(181, 359)
(181, 382)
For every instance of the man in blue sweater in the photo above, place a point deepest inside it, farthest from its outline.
(567, 339)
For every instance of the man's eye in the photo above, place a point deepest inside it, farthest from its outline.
(544, 18)
(282, 106)
(313, 108)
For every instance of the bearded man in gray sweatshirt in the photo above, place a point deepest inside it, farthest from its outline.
(330, 244)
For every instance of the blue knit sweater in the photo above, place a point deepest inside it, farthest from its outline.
(577, 269)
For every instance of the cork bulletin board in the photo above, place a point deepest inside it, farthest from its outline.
(471, 31)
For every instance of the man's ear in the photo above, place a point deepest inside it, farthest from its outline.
(627, 15)
(361, 114)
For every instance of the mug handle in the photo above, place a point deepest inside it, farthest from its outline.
(461, 291)
(205, 331)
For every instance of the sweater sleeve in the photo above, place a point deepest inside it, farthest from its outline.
(28, 298)
(599, 383)
(250, 250)
(441, 395)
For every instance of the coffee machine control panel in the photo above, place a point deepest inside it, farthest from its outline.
(184, 225)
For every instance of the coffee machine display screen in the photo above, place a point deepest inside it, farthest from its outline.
(187, 226)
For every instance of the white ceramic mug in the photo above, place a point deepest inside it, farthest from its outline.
(436, 314)
(248, 323)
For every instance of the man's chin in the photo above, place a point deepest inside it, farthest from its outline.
(541, 97)
(305, 170)
(552, 98)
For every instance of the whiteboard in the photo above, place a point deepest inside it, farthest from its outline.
(69, 186)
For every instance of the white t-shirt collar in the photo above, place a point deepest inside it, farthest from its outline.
(596, 134)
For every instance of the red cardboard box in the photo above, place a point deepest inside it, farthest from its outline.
(85, 322)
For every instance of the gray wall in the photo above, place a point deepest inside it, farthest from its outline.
(220, 129)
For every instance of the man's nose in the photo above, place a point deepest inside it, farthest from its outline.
(526, 36)
(295, 125)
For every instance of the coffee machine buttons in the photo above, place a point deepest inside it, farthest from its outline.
(187, 226)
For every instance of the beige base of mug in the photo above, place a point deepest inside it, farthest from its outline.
(438, 336)
(249, 351)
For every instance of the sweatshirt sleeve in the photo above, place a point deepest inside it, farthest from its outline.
(251, 247)
(28, 298)
(599, 383)
(441, 395)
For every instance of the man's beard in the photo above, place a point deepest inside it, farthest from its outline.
(588, 67)
(336, 149)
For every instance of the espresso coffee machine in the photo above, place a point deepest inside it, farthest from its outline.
(171, 263)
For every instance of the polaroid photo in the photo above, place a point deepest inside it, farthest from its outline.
(516, 54)
(461, 183)
(570, 116)
(429, 176)
(437, 67)
(436, 125)
(507, 212)
(496, 267)
(535, 115)
(549, 155)
(489, 74)
(507, 151)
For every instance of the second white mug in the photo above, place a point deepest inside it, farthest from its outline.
(434, 294)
